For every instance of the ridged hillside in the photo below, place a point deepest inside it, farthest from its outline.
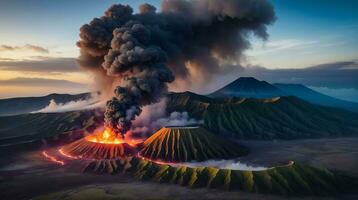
(91, 150)
(276, 118)
(20, 105)
(182, 144)
(32, 129)
(293, 179)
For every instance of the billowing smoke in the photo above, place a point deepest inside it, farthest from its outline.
(143, 52)
(155, 117)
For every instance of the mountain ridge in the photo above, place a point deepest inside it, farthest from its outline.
(286, 117)
(250, 87)
(21, 105)
(313, 96)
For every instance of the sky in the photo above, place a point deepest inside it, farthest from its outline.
(38, 51)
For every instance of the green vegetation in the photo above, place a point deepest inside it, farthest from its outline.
(36, 128)
(293, 179)
(276, 118)
(184, 144)
(20, 105)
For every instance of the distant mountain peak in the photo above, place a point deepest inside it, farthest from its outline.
(247, 80)
(248, 87)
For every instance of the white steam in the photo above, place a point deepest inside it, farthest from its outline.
(153, 117)
(86, 104)
(177, 119)
(223, 164)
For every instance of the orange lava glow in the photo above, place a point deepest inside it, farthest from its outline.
(52, 158)
(157, 161)
(68, 155)
(108, 136)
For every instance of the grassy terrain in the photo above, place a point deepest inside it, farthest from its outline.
(28, 129)
(30, 175)
(295, 179)
(187, 144)
(277, 118)
(280, 118)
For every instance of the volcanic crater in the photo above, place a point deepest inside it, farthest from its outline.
(101, 145)
(162, 156)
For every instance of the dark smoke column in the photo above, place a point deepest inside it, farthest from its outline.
(143, 52)
(142, 68)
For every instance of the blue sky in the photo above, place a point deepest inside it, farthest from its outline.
(318, 31)
(306, 33)
(310, 32)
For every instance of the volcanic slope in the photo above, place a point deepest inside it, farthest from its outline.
(92, 150)
(274, 118)
(22, 131)
(21, 105)
(248, 87)
(183, 144)
(293, 179)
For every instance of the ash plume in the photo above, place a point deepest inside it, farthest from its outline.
(143, 52)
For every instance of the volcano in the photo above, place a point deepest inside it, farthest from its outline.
(183, 144)
(101, 145)
(248, 87)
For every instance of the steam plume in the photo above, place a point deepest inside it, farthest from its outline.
(143, 52)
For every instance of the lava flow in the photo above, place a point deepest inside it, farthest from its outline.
(52, 158)
(160, 162)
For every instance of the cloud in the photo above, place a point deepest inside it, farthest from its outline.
(332, 75)
(41, 64)
(279, 45)
(26, 47)
(7, 59)
(349, 94)
(40, 82)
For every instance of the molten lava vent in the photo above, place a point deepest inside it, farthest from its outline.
(183, 144)
(101, 145)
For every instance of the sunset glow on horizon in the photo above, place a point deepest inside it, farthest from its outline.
(38, 41)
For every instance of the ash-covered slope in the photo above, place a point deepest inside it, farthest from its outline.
(183, 144)
(275, 118)
(92, 150)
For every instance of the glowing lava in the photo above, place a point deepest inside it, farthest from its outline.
(107, 136)
(160, 162)
(68, 155)
(102, 144)
(52, 158)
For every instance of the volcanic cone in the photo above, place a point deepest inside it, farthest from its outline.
(182, 144)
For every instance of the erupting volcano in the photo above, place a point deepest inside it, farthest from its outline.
(104, 144)
(108, 136)
(135, 56)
